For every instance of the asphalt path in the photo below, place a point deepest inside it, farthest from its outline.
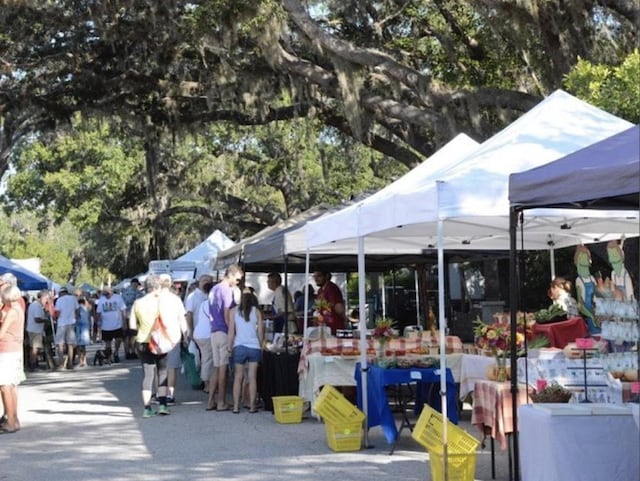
(86, 424)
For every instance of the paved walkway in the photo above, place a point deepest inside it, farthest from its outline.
(87, 424)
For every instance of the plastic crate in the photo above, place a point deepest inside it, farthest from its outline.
(428, 432)
(288, 409)
(344, 437)
(460, 467)
(334, 408)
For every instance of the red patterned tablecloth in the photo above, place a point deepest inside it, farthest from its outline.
(333, 346)
(492, 409)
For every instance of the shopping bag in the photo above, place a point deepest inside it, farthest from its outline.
(190, 370)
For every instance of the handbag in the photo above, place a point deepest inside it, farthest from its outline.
(159, 341)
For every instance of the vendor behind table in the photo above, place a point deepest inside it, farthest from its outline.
(282, 306)
(329, 292)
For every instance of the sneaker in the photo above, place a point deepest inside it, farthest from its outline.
(164, 410)
(149, 412)
(116, 359)
(171, 401)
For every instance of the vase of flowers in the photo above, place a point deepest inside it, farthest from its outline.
(496, 338)
(382, 334)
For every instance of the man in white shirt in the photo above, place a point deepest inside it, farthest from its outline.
(282, 307)
(201, 328)
(66, 312)
(111, 311)
(36, 319)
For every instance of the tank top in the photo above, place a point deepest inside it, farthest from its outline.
(14, 337)
(246, 332)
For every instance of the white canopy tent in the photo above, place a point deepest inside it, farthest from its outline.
(473, 191)
(346, 223)
(206, 253)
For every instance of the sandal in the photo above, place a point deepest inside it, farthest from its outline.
(236, 411)
(223, 408)
(8, 431)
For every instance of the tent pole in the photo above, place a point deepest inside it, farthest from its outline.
(306, 295)
(364, 370)
(383, 298)
(513, 308)
(415, 278)
(443, 348)
(286, 304)
(552, 260)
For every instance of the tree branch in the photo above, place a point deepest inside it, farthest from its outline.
(376, 142)
(366, 57)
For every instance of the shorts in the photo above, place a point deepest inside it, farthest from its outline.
(36, 340)
(11, 368)
(206, 358)
(219, 351)
(147, 357)
(66, 334)
(173, 357)
(242, 354)
(108, 336)
(130, 332)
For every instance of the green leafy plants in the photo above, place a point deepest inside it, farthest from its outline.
(553, 314)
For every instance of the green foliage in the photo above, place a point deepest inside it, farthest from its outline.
(236, 179)
(614, 88)
(28, 234)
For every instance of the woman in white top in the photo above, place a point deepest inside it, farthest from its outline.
(246, 333)
(560, 294)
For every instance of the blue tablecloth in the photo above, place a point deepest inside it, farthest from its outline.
(378, 378)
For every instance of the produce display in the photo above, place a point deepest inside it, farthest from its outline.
(554, 313)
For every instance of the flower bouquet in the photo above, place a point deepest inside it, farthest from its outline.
(496, 338)
(323, 309)
(382, 333)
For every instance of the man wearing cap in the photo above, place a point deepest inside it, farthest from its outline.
(66, 312)
(36, 320)
(111, 312)
(129, 295)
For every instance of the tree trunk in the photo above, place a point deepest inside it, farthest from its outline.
(158, 195)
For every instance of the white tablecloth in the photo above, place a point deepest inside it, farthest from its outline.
(568, 446)
(472, 368)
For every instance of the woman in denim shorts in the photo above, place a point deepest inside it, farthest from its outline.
(246, 333)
